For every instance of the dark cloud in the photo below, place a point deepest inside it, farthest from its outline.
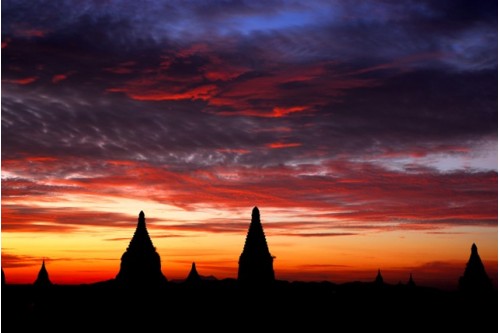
(10, 260)
(66, 219)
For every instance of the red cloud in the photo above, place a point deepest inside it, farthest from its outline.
(278, 145)
(123, 68)
(5, 43)
(60, 77)
(28, 32)
(23, 81)
(353, 195)
(269, 92)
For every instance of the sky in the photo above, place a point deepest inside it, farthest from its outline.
(365, 131)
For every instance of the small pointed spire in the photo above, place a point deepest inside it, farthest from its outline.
(43, 277)
(473, 249)
(255, 213)
(193, 275)
(411, 283)
(379, 279)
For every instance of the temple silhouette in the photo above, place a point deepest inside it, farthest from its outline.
(215, 304)
(193, 276)
(140, 263)
(379, 280)
(255, 266)
(410, 282)
(475, 278)
(42, 279)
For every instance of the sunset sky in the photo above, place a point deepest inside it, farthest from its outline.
(365, 132)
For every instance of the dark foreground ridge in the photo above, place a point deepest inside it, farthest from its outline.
(141, 299)
(226, 305)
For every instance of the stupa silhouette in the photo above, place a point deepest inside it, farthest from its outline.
(193, 276)
(256, 262)
(42, 279)
(140, 263)
(379, 280)
(475, 278)
(411, 283)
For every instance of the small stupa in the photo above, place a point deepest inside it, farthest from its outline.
(193, 276)
(256, 262)
(141, 264)
(411, 283)
(475, 278)
(43, 277)
(379, 280)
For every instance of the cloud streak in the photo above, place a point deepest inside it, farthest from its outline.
(338, 118)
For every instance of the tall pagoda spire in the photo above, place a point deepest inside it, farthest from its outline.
(256, 262)
(141, 264)
(475, 277)
(43, 277)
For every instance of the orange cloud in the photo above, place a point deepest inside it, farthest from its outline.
(279, 145)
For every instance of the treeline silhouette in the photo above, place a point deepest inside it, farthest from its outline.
(141, 298)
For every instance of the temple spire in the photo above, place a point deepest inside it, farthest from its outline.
(256, 262)
(141, 264)
(411, 283)
(42, 279)
(475, 278)
(193, 276)
(379, 280)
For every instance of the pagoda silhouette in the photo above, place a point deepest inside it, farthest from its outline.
(140, 263)
(410, 282)
(193, 276)
(379, 280)
(42, 279)
(475, 278)
(255, 263)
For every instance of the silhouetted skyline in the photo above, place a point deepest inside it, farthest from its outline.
(360, 128)
(141, 264)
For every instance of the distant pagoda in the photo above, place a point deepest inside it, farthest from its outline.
(475, 278)
(379, 280)
(411, 283)
(193, 276)
(43, 277)
(256, 262)
(141, 264)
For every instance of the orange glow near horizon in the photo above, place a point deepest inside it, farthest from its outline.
(365, 145)
(89, 255)
(82, 236)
